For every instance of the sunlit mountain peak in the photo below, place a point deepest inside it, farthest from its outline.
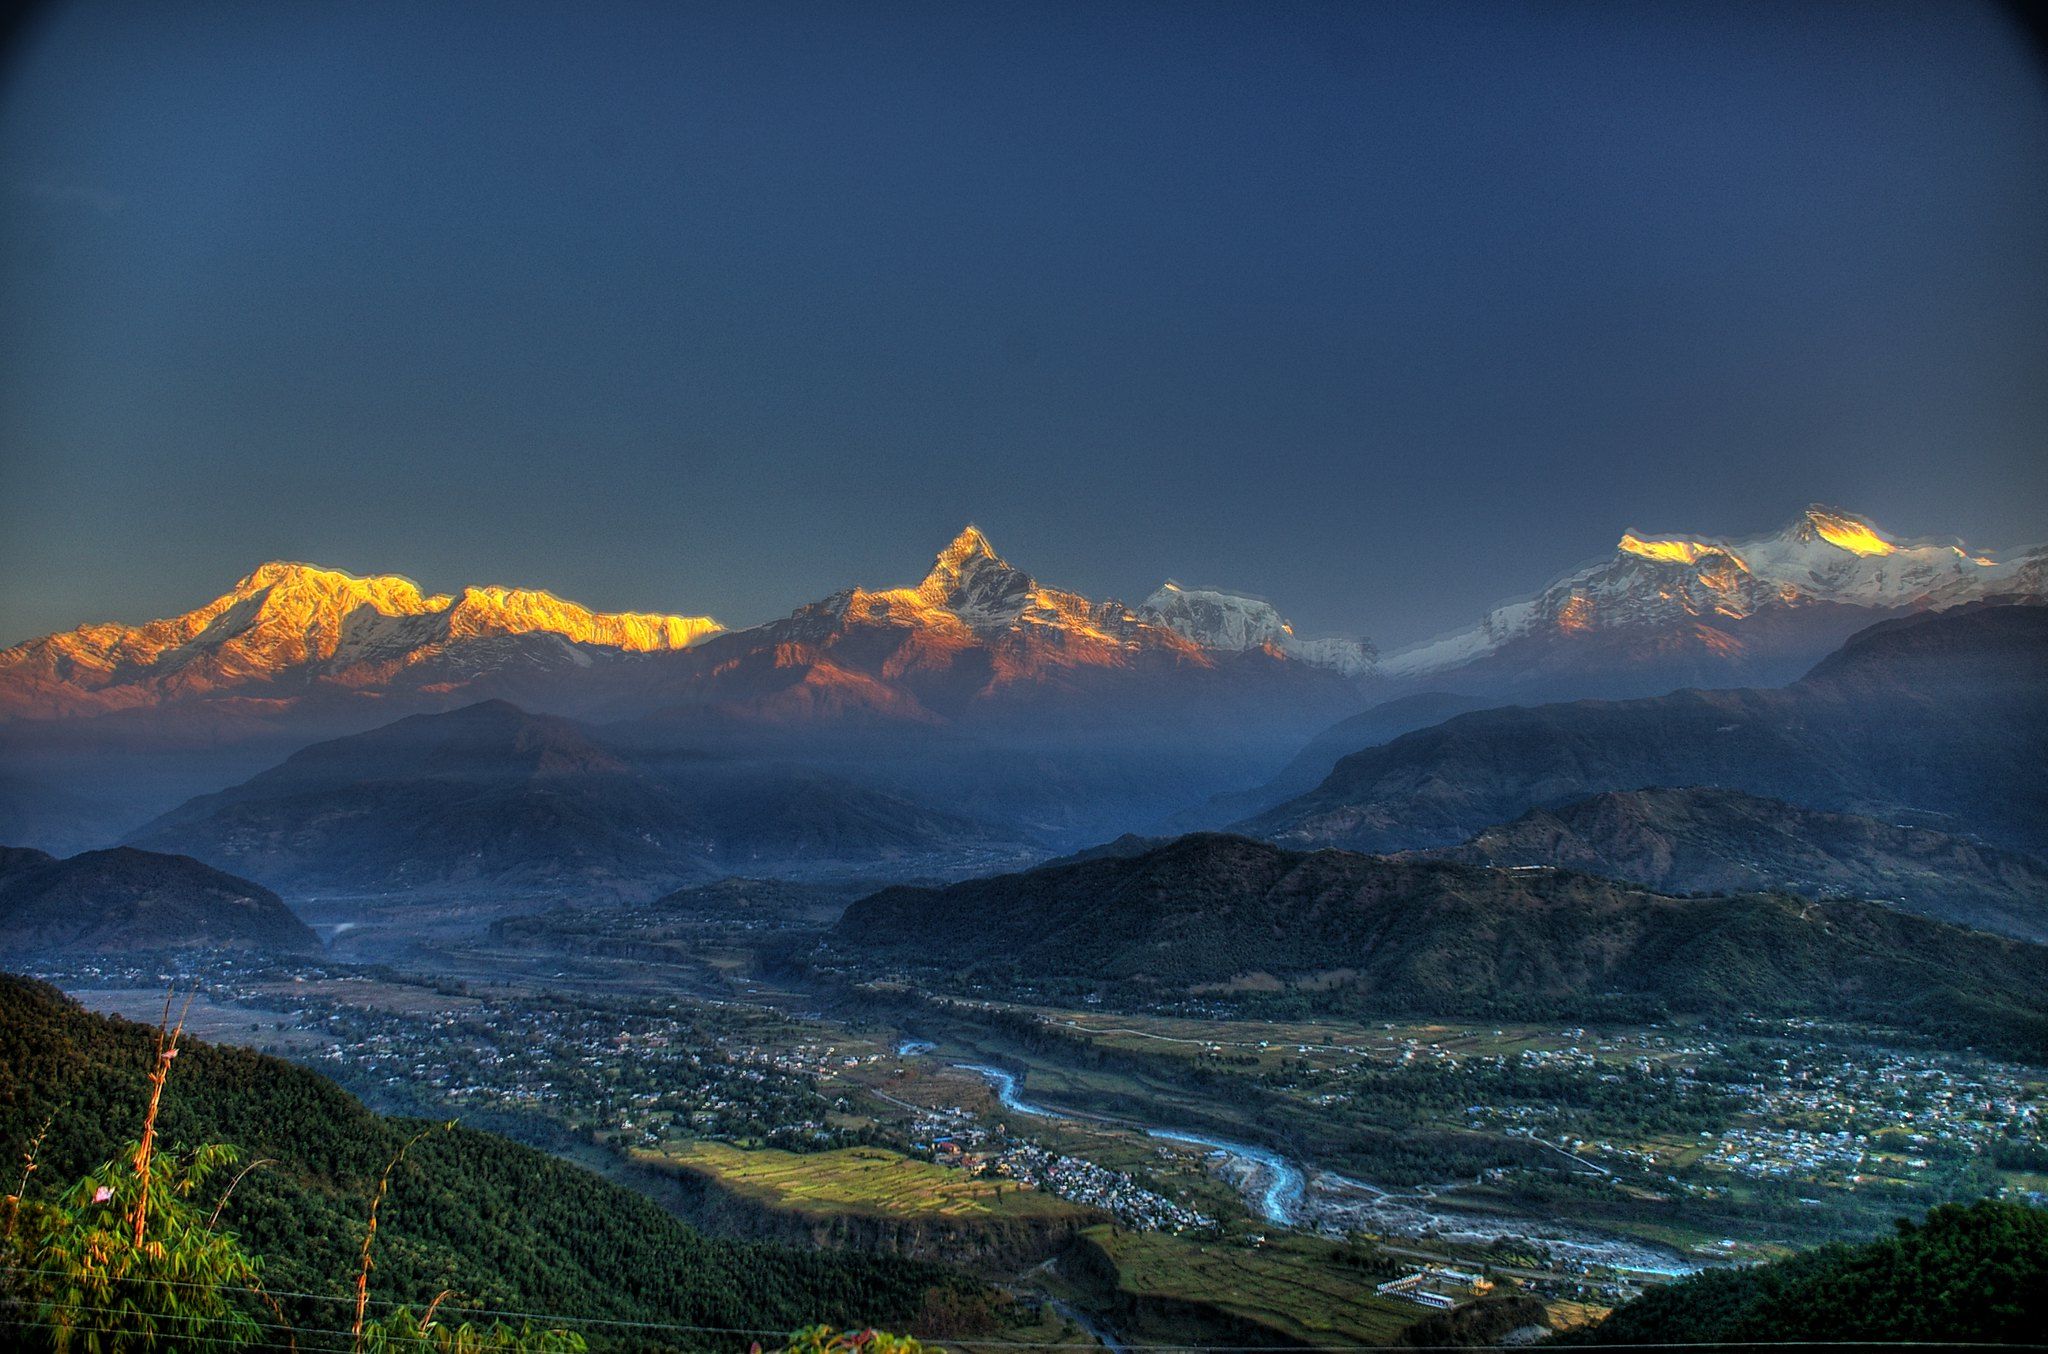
(288, 621)
(1844, 530)
(970, 545)
(1825, 558)
(518, 611)
(388, 594)
(1666, 550)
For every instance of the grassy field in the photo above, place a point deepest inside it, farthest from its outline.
(870, 1180)
(1292, 1284)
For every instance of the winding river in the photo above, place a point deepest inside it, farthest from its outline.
(1289, 1195)
(1276, 1185)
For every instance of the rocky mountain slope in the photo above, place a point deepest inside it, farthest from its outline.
(981, 642)
(1235, 918)
(1939, 719)
(1672, 610)
(1725, 841)
(124, 900)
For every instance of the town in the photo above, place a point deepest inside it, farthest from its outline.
(1800, 1124)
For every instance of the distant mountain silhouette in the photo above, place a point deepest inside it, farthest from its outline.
(128, 900)
(1725, 841)
(1369, 728)
(493, 797)
(1939, 719)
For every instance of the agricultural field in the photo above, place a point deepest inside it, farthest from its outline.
(871, 1180)
(1296, 1287)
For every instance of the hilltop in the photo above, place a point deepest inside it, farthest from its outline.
(1234, 918)
(102, 902)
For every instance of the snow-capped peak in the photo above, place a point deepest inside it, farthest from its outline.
(1234, 623)
(1844, 531)
(969, 545)
(288, 620)
(1824, 555)
(971, 588)
(973, 583)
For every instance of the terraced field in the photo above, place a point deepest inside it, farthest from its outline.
(1293, 1285)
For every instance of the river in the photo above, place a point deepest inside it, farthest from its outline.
(1287, 1194)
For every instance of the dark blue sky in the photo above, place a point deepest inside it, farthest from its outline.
(1384, 312)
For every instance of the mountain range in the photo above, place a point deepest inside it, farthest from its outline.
(1939, 719)
(1666, 611)
(981, 694)
(1707, 840)
(978, 676)
(296, 632)
(981, 644)
(974, 629)
(125, 900)
(1223, 916)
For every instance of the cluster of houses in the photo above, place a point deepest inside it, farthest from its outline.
(955, 1137)
(1438, 1287)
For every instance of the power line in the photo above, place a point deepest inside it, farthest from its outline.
(541, 1317)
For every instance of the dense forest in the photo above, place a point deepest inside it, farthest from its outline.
(1975, 1273)
(503, 1226)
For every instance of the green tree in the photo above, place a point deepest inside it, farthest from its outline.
(124, 1261)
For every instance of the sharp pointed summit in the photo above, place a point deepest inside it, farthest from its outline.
(969, 545)
(979, 635)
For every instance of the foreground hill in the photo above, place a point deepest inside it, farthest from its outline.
(1724, 841)
(1968, 1275)
(1219, 914)
(105, 902)
(1666, 611)
(504, 1226)
(1940, 719)
(493, 797)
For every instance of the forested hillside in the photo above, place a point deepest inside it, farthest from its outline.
(1975, 1274)
(503, 1226)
